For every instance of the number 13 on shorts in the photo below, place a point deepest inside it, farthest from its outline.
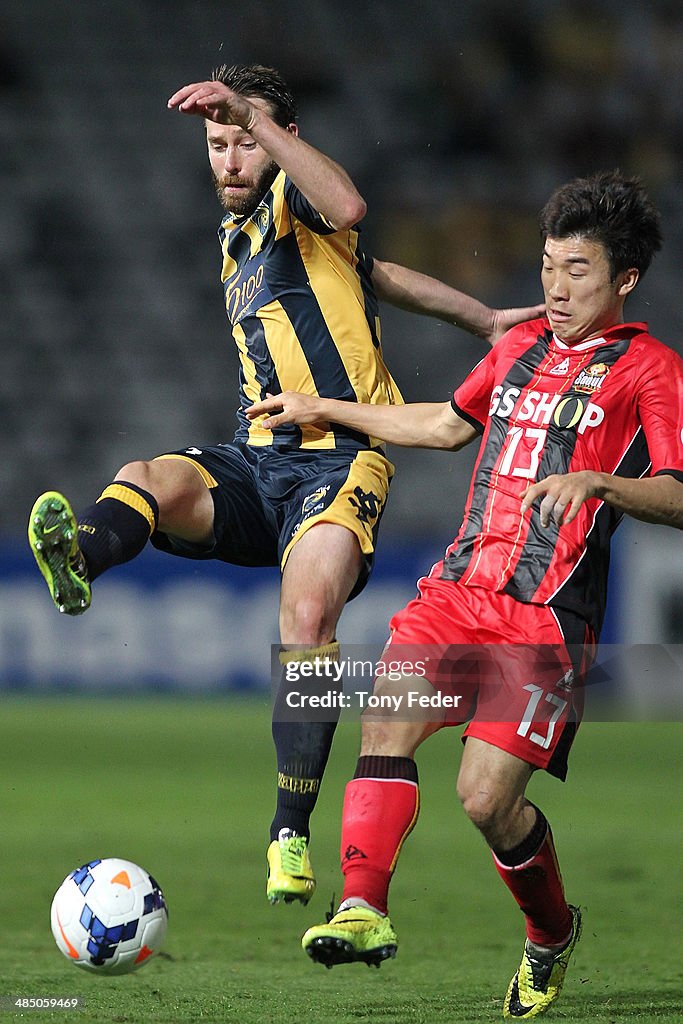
(537, 693)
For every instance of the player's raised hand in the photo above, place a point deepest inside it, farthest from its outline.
(504, 319)
(289, 407)
(562, 495)
(214, 101)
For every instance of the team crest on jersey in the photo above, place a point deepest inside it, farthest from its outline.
(591, 379)
(314, 502)
(560, 369)
(262, 219)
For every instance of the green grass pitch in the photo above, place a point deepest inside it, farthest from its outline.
(186, 789)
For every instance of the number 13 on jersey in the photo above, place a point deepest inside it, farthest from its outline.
(522, 460)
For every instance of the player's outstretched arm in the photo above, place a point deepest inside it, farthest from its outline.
(419, 425)
(324, 182)
(657, 499)
(419, 293)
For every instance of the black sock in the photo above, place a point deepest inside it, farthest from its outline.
(385, 766)
(117, 527)
(303, 736)
(529, 846)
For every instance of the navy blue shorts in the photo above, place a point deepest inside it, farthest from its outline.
(265, 500)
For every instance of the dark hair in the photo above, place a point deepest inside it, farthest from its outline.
(257, 80)
(610, 209)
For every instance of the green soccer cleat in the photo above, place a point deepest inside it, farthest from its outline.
(351, 936)
(53, 536)
(290, 875)
(538, 982)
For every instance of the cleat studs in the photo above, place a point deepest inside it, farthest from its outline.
(39, 545)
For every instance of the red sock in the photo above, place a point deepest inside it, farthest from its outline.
(533, 877)
(381, 806)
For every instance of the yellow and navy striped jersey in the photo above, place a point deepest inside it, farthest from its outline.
(304, 316)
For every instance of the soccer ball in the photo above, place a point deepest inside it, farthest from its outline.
(109, 916)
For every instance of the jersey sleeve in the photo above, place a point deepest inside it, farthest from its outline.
(472, 400)
(660, 408)
(304, 211)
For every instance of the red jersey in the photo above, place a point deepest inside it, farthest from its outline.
(614, 404)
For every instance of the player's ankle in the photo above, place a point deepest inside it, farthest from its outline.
(357, 901)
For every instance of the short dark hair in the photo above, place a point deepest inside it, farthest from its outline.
(258, 80)
(610, 209)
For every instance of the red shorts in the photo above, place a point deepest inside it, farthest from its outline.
(513, 671)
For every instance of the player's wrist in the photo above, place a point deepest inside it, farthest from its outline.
(600, 483)
(325, 408)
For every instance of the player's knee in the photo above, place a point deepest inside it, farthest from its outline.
(139, 473)
(488, 810)
(306, 620)
(185, 506)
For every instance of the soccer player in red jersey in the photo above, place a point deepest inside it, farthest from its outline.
(580, 416)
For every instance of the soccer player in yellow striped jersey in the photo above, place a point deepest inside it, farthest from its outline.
(301, 297)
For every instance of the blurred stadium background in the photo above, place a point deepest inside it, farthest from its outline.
(455, 120)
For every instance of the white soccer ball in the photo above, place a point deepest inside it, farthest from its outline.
(109, 916)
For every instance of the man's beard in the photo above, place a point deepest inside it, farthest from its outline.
(250, 194)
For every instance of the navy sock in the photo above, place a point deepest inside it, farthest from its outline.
(303, 740)
(117, 527)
